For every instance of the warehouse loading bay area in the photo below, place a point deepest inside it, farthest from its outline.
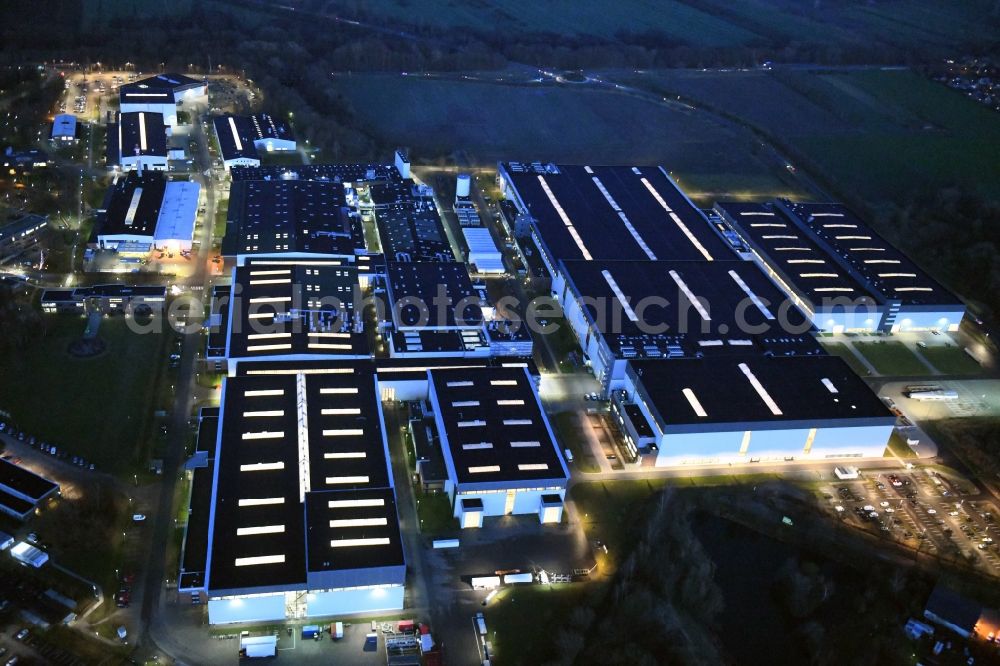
(383, 641)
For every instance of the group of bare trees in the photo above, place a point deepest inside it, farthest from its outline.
(662, 604)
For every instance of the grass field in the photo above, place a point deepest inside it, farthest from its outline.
(899, 447)
(435, 513)
(514, 617)
(951, 360)
(488, 122)
(881, 134)
(706, 23)
(841, 350)
(892, 358)
(99, 408)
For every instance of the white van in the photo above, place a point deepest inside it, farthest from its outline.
(569, 455)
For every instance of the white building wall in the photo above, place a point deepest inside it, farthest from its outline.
(946, 319)
(772, 445)
(247, 609)
(241, 161)
(530, 501)
(273, 145)
(868, 441)
(112, 241)
(353, 601)
(836, 321)
(707, 447)
(148, 162)
(493, 503)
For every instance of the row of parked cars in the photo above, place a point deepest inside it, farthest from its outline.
(44, 447)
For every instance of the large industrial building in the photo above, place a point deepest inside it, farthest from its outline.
(105, 298)
(21, 491)
(291, 218)
(137, 141)
(161, 94)
(750, 409)
(293, 512)
(408, 222)
(607, 213)
(435, 310)
(621, 310)
(839, 271)
(303, 514)
(142, 211)
(499, 450)
(241, 139)
(291, 310)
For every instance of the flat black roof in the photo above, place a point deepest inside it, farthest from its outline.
(167, 81)
(279, 216)
(882, 266)
(386, 368)
(613, 212)
(156, 89)
(414, 288)
(284, 438)
(194, 560)
(350, 172)
(236, 136)
(141, 133)
(59, 296)
(346, 448)
(219, 319)
(492, 427)
(950, 606)
(426, 341)
(124, 290)
(427, 450)
(668, 308)
(23, 482)
(133, 205)
(409, 224)
(352, 529)
(208, 431)
(725, 389)
(17, 505)
(793, 253)
(283, 307)
(266, 126)
(258, 487)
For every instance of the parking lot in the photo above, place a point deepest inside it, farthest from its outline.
(924, 509)
(353, 648)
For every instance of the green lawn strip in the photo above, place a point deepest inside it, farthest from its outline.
(951, 360)
(840, 349)
(98, 407)
(435, 513)
(892, 358)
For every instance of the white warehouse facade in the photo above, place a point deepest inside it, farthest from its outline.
(499, 449)
(755, 409)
